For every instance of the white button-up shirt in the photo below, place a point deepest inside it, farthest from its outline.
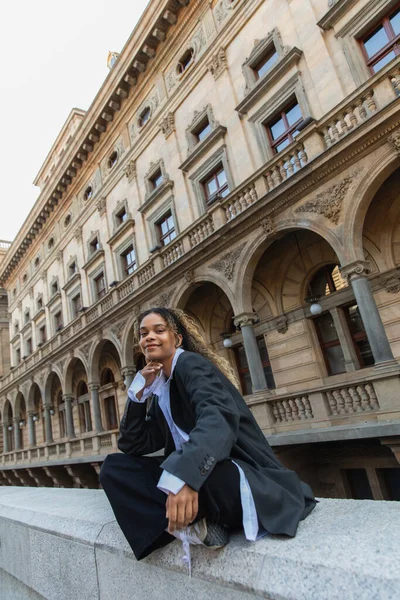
(168, 482)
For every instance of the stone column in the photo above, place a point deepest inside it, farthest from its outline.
(17, 434)
(350, 356)
(68, 416)
(94, 392)
(47, 423)
(5, 438)
(357, 273)
(31, 429)
(128, 373)
(246, 322)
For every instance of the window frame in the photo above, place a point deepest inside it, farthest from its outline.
(289, 131)
(124, 263)
(103, 291)
(392, 45)
(161, 237)
(246, 370)
(213, 175)
(361, 336)
(331, 344)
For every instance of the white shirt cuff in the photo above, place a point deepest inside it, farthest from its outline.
(170, 483)
(136, 386)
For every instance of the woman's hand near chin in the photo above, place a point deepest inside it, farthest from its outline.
(150, 372)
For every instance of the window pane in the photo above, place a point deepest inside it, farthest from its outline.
(355, 322)
(224, 192)
(335, 358)
(293, 115)
(164, 227)
(221, 178)
(376, 42)
(204, 132)
(246, 384)
(282, 145)
(172, 235)
(241, 357)
(170, 222)
(391, 478)
(326, 328)
(266, 64)
(384, 61)
(395, 22)
(359, 484)
(277, 129)
(211, 186)
(367, 359)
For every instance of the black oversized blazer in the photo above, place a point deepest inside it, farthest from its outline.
(206, 405)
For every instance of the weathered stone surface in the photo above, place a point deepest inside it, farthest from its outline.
(65, 544)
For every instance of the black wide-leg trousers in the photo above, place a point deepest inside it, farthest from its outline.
(130, 483)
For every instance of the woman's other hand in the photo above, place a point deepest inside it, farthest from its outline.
(182, 508)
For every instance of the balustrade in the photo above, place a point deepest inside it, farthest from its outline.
(92, 314)
(201, 232)
(236, 205)
(297, 408)
(352, 399)
(107, 303)
(349, 118)
(285, 166)
(126, 288)
(171, 254)
(146, 273)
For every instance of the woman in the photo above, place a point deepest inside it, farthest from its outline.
(218, 472)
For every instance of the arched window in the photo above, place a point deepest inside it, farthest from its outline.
(113, 159)
(85, 418)
(107, 377)
(326, 281)
(88, 193)
(144, 116)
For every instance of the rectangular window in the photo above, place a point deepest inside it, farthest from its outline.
(42, 334)
(380, 46)
(27, 317)
(122, 216)
(54, 288)
(85, 418)
(100, 285)
(18, 356)
(129, 260)
(166, 229)
(243, 367)
(16, 328)
(202, 131)
(76, 305)
(330, 344)
(110, 413)
(39, 303)
(156, 179)
(63, 423)
(29, 346)
(58, 321)
(72, 269)
(216, 185)
(94, 245)
(359, 336)
(358, 484)
(265, 63)
(282, 127)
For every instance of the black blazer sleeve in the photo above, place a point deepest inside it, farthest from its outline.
(140, 434)
(216, 420)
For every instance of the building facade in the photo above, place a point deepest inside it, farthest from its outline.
(241, 162)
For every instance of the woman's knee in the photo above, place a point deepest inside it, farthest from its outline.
(111, 463)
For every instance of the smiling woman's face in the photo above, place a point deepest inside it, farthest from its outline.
(157, 341)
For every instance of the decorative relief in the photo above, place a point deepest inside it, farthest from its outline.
(130, 170)
(61, 365)
(189, 276)
(223, 9)
(328, 203)
(118, 329)
(359, 268)
(218, 63)
(391, 283)
(164, 299)
(197, 44)
(245, 319)
(281, 324)
(44, 276)
(227, 263)
(268, 226)
(85, 350)
(101, 206)
(167, 124)
(394, 141)
(78, 234)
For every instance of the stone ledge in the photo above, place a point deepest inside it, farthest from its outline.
(64, 544)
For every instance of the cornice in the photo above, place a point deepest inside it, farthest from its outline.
(200, 149)
(129, 224)
(93, 259)
(339, 8)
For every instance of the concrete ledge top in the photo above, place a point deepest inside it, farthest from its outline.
(65, 544)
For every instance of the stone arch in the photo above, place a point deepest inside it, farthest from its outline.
(105, 353)
(184, 289)
(128, 342)
(53, 394)
(362, 198)
(259, 248)
(8, 421)
(74, 368)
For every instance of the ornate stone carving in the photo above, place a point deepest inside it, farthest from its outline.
(359, 268)
(227, 263)
(394, 141)
(30, 292)
(281, 324)
(167, 124)
(78, 234)
(164, 299)
(118, 329)
(328, 203)
(130, 170)
(85, 350)
(245, 319)
(59, 256)
(268, 226)
(102, 206)
(391, 283)
(198, 41)
(189, 276)
(61, 365)
(218, 63)
(44, 276)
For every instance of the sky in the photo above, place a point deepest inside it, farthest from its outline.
(53, 58)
